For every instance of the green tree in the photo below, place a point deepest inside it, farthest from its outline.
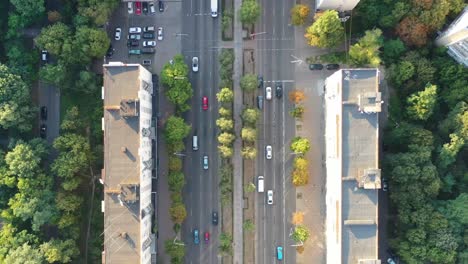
(300, 234)
(300, 145)
(401, 72)
(225, 124)
(248, 82)
(176, 181)
(98, 11)
(297, 112)
(180, 93)
(24, 254)
(249, 12)
(54, 37)
(226, 151)
(249, 134)
(225, 95)
(53, 73)
(250, 116)
(174, 72)
(225, 243)
(72, 122)
(176, 251)
(393, 49)
(249, 152)
(90, 43)
(68, 202)
(224, 112)
(87, 82)
(421, 105)
(366, 51)
(29, 10)
(248, 225)
(175, 163)
(449, 151)
(299, 14)
(326, 32)
(15, 108)
(226, 138)
(62, 251)
(176, 130)
(249, 187)
(178, 213)
(22, 161)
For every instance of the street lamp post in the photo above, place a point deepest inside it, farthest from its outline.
(179, 154)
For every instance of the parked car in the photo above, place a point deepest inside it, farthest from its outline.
(44, 112)
(260, 102)
(260, 81)
(150, 43)
(145, 8)
(134, 52)
(148, 35)
(160, 33)
(205, 162)
(268, 93)
(134, 36)
(118, 33)
(44, 56)
(333, 66)
(152, 8)
(390, 261)
(205, 103)
(279, 253)
(43, 131)
(161, 6)
(270, 197)
(138, 8)
(148, 29)
(196, 237)
(384, 185)
(146, 62)
(279, 91)
(148, 50)
(214, 218)
(207, 237)
(110, 51)
(130, 7)
(315, 66)
(268, 152)
(132, 43)
(134, 30)
(195, 64)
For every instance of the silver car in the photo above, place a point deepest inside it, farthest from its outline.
(205, 162)
(160, 33)
(134, 30)
(195, 64)
(270, 197)
(268, 152)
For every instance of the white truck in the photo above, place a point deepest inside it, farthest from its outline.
(214, 8)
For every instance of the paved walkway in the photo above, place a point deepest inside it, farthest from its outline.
(237, 158)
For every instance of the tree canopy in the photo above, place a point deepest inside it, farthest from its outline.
(327, 30)
(249, 11)
(366, 51)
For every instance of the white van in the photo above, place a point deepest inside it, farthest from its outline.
(214, 8)
(195, 143)
(260, 184)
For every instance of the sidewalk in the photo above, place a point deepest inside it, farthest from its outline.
(237, 158)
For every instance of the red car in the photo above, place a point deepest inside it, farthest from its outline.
(205, 103)
(207, 237)
(138, 8)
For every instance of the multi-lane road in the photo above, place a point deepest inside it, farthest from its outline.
(200, 34)
(275, 45)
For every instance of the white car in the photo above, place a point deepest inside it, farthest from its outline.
(268, 152)
(268, 93)
(118, 33)
(205, 162)
(269, 197)
(148, 29)
(160, 33)
(130, 7)
(134, 30)
(151, 43)
(195, 64)
(152, 8)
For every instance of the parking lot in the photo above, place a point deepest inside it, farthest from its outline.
(165, 49)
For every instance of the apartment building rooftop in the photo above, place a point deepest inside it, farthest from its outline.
(127, 163)
(353, 103)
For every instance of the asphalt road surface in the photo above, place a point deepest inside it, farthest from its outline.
(200, 34)
(275, 44)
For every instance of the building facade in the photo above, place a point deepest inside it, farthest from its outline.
(455, 38)
(352, 106)
(128, 163)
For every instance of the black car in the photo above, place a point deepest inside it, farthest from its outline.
(214, 218)
(132, 43)
(260, 81)
(148, 35)
(333, 66)
(145, 8)
(161, 6)
(260, 102)
(43, 131)
(110, 51)
(279, 91)
(44, 113)
(315, 66)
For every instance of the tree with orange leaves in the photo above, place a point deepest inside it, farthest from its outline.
(296, 96)
(412, 31)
